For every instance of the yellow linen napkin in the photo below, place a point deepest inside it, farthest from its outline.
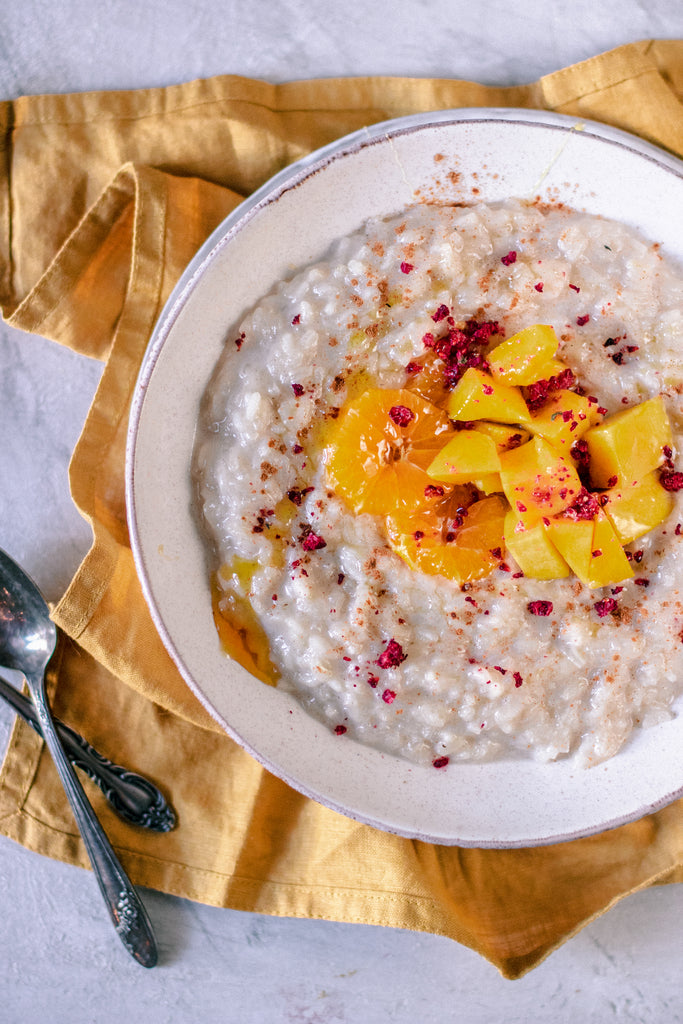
(103, 199)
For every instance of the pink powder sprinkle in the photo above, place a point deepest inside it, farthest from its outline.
(298, 389)
(605, 607)
(313, 542)
(401, 415)
(509, 258)
(389, 696)
(440, 762)
(406, 268)
(392, 655)
(518, 679)
(581, 320)
(540, 607)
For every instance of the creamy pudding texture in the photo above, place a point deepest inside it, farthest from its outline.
(415, 664)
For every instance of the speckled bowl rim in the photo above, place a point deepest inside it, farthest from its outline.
(503, 805)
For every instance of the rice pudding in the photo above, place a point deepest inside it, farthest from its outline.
(316, 597)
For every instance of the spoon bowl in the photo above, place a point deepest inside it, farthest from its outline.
(27, 641)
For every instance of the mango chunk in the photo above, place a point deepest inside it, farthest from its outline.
(505, 436)
(518, 359)
(591, 548)
(532, 549)
(467, 454)
(477, 396)
(636, 510)
(538, 481)
(553, 368)
(564, 418)
(490, 483)
(629, 445)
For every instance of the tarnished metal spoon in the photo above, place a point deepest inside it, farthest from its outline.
(27, 641)
(132, 796)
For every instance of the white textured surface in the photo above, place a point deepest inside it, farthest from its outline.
(59, 961)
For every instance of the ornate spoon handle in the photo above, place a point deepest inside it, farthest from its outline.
(125, 906)
(132, 796)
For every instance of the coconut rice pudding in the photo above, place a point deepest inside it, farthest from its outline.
(436, 471)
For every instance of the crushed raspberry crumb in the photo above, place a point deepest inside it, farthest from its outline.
(582, 320)
(240, 341)
(296, 319)
(392, 655)
(297, 494)
(434, 491)
(297, 449)
(678, 530)
(540, 607)
(389, 696)
(406, 268)
(618, 358)
(401, 415)
(642, 581)
(313, 542)
(518, 679)
(671, 481)
(605, 607)
(539, 286)
(574, 288)
(470, 600)
(339, 730)
(413, 368)
(586, 506)
(440, 762)
(340, 578)
(509, 258)
(613, 481)
(418, 534)
(373, 681)
(496, 552)
(538, 392)
(503, 671)
(442, 312)
(298, 389)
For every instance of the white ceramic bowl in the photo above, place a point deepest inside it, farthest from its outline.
(287, 224)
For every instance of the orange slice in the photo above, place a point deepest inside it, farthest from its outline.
(460, 544)
(378, 450)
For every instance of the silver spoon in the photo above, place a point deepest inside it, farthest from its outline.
(133, 797)
(27, 641)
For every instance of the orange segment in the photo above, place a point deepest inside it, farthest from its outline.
(461, 546)
(378, 450)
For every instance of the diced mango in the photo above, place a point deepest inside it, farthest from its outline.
(532, 549)
(538, 481)
(636, 510)
(518, 359)
(629, 445)
(506, 437)
(477, 396)
(591, 548)
(467, 454)
(553, 368)
(489, 484)
(564, 418)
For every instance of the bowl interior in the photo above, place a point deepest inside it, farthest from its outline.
(454, 156)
